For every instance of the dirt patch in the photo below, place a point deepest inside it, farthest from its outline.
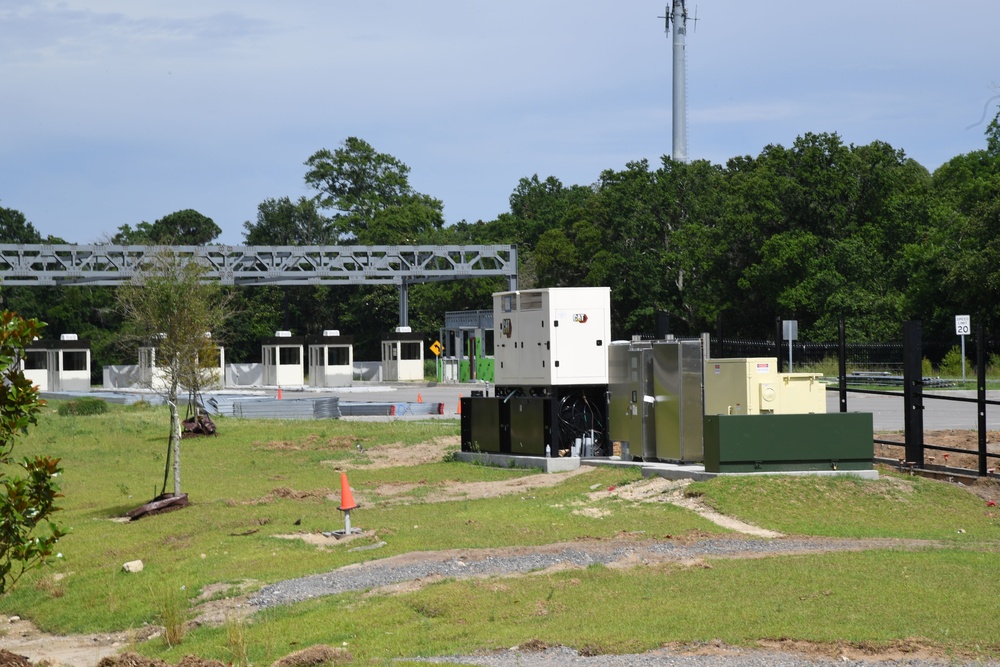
(320, 654)
(396, 493)
(987, 488)
(905, 651)
(399, 455)
(325, 540)
(23, 638)
(968, 440)
(728, 522)
(314, 443)
(649, 490)
(284, 493)
(661, 490)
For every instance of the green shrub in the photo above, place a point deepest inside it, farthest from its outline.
(993, 367)
(828, 367)
(951, 365)
(83, 407)
(926, 367)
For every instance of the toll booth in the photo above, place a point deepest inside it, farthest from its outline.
(402, 356)
(467, 341)
(331, 359)
(58, 365)
(153, 376)
(282, 359)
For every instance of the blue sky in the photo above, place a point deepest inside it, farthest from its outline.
(120, 111)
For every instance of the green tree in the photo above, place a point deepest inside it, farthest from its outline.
(661, 243)
(954, 264)
(370, 195)
(819, 231)
(170, 305)
(185, 227)
(27, 535)
(15, 228)
(282, 222)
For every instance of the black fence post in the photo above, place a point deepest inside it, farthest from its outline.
(842, 363)
(981, 395)
(720, 351)
(777, 339)
(913, 402)
(662, 324)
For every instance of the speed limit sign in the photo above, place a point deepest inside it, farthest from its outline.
(963, 325)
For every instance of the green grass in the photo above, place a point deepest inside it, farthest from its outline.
(892, 506)
(941, 597)
(114, 462)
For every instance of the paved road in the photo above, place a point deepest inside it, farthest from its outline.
(939, 415)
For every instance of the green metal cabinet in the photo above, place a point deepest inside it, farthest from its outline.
(762, 443)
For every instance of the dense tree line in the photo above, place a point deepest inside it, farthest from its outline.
(815, 231)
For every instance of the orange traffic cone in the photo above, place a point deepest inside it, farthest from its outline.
(420, 399)
(459, 404)
(279, 393)
(346, 497)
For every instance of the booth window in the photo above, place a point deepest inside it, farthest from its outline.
(488, 342)
(409, 351)
(288, 356)
(34, 360)
(74, 360)
(338, 356)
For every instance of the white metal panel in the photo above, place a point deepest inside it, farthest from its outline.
(555, 336)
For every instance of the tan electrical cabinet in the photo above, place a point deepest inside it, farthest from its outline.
(753, 386)
(801, 393)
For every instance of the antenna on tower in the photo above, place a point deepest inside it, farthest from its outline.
(678, 14)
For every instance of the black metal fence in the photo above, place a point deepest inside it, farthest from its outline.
(860, 356)
(905, 359)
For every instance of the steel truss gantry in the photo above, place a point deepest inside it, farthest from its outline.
(40, 265)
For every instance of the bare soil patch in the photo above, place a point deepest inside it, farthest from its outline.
(392, 494)
(398, 455)
(904, 651)
(986, 488)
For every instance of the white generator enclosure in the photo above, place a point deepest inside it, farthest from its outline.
(555, 336)
(753, 387)
(282, 359)
(58, 365)
(403, 356)
(331, 360)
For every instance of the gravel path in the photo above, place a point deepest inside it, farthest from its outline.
(519, 560)
(500, 562)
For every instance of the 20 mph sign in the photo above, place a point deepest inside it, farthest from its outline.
(963, 325)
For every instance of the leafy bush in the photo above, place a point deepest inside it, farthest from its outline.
(26, 503)
(951, 365)
(993, 367)
(83, 407)
(828, 367)
(926, 367)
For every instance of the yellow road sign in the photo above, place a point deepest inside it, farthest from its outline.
(436, 348)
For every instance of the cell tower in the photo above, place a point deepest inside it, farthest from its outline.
(678, 14)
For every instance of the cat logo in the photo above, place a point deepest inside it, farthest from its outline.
(581, 318)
